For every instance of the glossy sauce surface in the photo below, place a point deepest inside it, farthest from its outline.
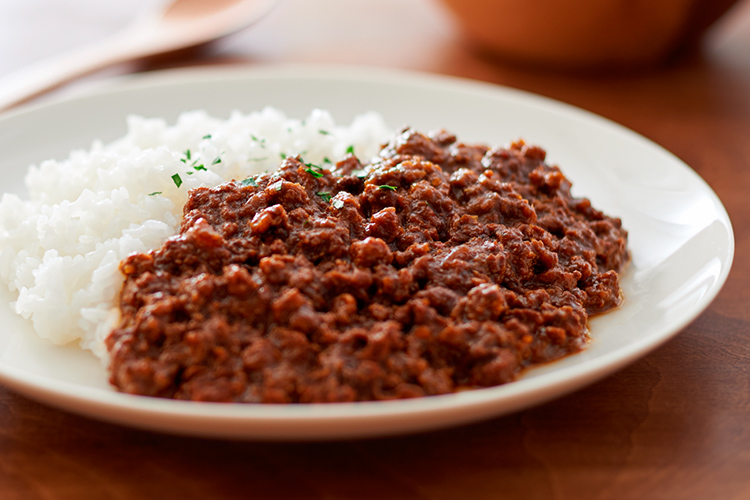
(437, 267)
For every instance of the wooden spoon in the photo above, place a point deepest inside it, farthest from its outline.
(180, 24)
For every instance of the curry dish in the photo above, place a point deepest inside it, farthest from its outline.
(438, 267)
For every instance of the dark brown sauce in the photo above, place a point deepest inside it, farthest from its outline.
(439, 266)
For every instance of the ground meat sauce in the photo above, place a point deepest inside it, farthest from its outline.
(438, 267)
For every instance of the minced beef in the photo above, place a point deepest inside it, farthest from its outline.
(438, 267)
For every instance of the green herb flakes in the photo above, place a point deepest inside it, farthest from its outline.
(177, 180)
(259, 140)
(386, 186)
(250, 181)
(314, 173)
(325, 195)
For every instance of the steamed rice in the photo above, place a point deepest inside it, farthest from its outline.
(60, 250)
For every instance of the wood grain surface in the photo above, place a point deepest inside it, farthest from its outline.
(673, 425)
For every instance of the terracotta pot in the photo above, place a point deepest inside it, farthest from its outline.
(586, 33)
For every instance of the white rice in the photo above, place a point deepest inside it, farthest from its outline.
(60, 250)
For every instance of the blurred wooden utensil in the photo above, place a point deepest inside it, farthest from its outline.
(178, 25)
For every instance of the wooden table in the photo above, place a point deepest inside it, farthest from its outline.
(674, 425)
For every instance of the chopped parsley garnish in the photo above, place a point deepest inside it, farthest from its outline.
(258, 159)
(177, 180)
(259, 140)
(207, 136)
(250, 181)
(154, 193)
(196, 166)
(386, 186)
(314, 173)
(312, 165)
(325, 195)
(327, 160)
(350, 149)
(324, 132)
(283, 156)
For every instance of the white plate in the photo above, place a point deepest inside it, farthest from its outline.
(680, 236)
